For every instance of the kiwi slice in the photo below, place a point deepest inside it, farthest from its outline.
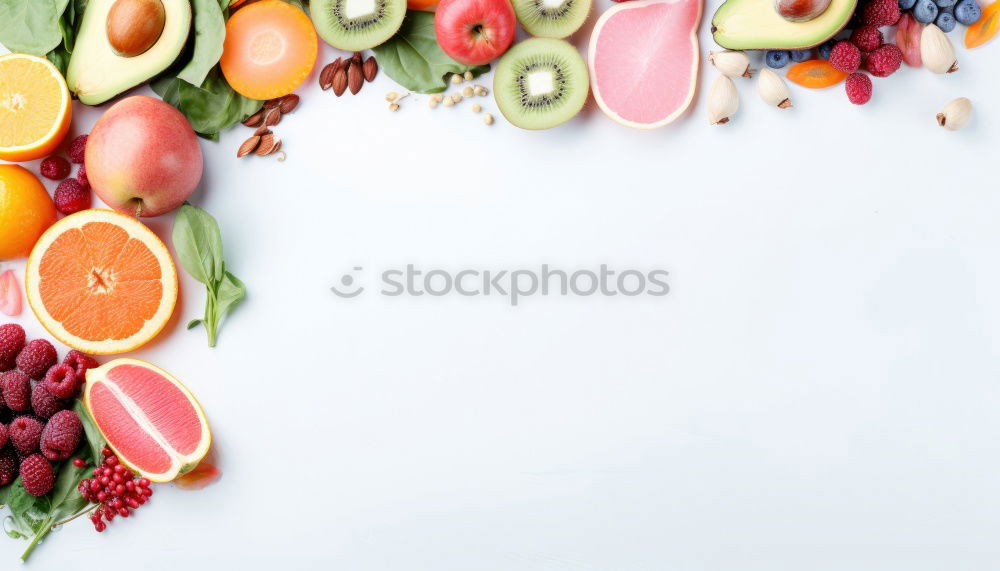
(356, 25)
(551, 18)
(541, 83)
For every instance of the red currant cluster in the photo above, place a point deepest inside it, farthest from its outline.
(116, 489)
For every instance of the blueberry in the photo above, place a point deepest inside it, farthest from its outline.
(824, 50)
(945, 21)
(945, 3)
(906, 5)
(777, 58)
(948, 10)
(926, 11)
(799, 56)
(968, 12)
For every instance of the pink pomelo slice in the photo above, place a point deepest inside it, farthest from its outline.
(644, 61)
(150, 420)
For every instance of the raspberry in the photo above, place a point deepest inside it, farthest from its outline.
(37, 475)
(55, 168)
(3, 437)
(61, 381)
(61, 436)
(44, 403)
(859, 88)
(880, 13)
(867, 38)
(77, 149)
(80, 362)
(8, 466)
(884, 61)
(16, 389)
(11, 343)
(25, 433)
(845, 56)
(72, 196)
(81, 175)
(36, 358)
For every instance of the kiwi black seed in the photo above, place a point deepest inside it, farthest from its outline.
(355, 25)
(552, 18)
(541, 83)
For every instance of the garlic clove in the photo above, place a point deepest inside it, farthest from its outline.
(773, 90)
(731, 63)
(956, 114)
(723, 100)
(936, 50)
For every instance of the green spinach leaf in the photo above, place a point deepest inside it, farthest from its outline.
(211, 108)
(414, 59)
(209, 35)
(31, 26)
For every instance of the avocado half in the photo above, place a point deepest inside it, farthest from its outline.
(756, 25)
(96, 73)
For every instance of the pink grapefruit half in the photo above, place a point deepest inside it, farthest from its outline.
(644, 61)
(150, 420)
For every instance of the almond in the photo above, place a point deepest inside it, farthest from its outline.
(356, 58)
(289, 103)
(268, 144)
(355, 77)
(339, 82)
(273, 117)
(326, 76)
(255, 119)
(248, 146)
(370, 68)
(272, 103)
(261, 131)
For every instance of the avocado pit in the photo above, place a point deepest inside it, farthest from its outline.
(134, 26)
(801, 10)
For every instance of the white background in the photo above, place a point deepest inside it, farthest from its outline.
(818, 391)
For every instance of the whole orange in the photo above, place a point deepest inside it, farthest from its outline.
(25, 211)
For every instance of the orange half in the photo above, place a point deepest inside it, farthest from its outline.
(101, 282)
(35, 111)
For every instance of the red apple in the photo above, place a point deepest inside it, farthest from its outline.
(801, 10)
(474, 32)
(143, 158)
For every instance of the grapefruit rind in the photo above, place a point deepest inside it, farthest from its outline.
(136, 230)
(595, 79)
(180, 463)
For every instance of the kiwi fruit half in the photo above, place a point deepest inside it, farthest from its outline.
(356, 25)
(541, 83)
(551, 18)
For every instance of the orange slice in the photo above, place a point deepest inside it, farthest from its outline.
(101, 282)
(34, 107)
(270, 49)
(151, 421)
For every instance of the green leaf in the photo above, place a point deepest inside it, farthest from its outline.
(59, 58)
(211, 108)
(198, 242)
(95, 440)
(31, 26)
(209, 35)
(230, 293)
(193, 323)
(414, 59)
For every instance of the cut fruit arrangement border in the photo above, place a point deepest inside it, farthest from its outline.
(102, 283)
